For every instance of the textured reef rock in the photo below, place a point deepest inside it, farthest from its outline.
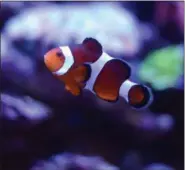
(14, 107)
(52, 22)
(158, 166)
(69, 161)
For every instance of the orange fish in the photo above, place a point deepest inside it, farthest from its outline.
(64, 63)
(86, 66)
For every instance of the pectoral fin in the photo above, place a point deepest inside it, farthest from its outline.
(82, 73)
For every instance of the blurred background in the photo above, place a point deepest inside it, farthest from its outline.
(46, 128)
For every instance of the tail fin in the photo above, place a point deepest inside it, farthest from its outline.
(138, 96)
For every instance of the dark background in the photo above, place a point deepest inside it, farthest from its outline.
(85, 124)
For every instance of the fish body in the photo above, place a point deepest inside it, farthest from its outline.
(87, 66)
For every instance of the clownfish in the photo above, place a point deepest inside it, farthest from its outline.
(87, 66)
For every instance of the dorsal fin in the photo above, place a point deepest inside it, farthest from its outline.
(93, 45)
